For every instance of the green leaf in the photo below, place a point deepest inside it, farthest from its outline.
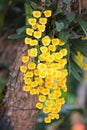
(75, 65)
(79, 45)
(21, 30)
(34, 5)
(1, 89)
(28, 12)
(66, 23)
(70, 16)
(59, 26)
(64, 36)
(75, 74)
(1, 85)
(67, 1)
(3, 4)
(16, 36)
(83, 25)
(84, 12)
(58, 11)
(1, 20)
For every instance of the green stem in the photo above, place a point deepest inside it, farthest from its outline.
(28, 12)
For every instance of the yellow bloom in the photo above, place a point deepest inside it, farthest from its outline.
(54, 86)
(62, 100)
(41, 28)
(46, 109)
(52, 96)
(79, 58)
(45, 91)
(49, 71)
(34, 84)
(29, 31)
(25, 59)
(63, 62)
(55, 66)
(39, 80)
(40, 89)
(43, 20)
(23, 68)
(43, 49)
(47, 13)
(39, 105)
(64, 72)
(64, 52)
(26, 88)
(56, 116)
(50, 58)
(33, 91)
(31, 65)
(57, 93)
(48, 79)
(32, 21)
(42, 74)
(29, 74)
(84, 38)
(27, 81)
(59, 73)
(37, 34)
(27, 40)
(86, 78)
(55, 41)
(42, 57)
(53, 111)
(48, 84)
(42, 98)
(61, 83)
(61, 43)
(46, 40)
(49, 102)
(32, 52)
(36, 72)
(85, 67)
(42, 66)
(52, 47)
(35, 26)
(54, 74)
(33, 42)
(58, 55)
(47, 120)
(51, 115)
(64, 88)
(36, 14)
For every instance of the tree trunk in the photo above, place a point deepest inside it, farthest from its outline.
(19, 105)
(84, 4)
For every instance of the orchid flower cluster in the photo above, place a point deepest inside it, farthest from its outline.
(80, 62)
(45, 73)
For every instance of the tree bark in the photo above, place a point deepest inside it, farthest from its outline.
(19, 105)
(84, 4)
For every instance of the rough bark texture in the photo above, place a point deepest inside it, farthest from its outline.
(83, 3)
(20, 106)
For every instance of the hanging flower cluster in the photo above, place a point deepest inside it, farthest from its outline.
(45, 73)
(79, 59)
(80, 62)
